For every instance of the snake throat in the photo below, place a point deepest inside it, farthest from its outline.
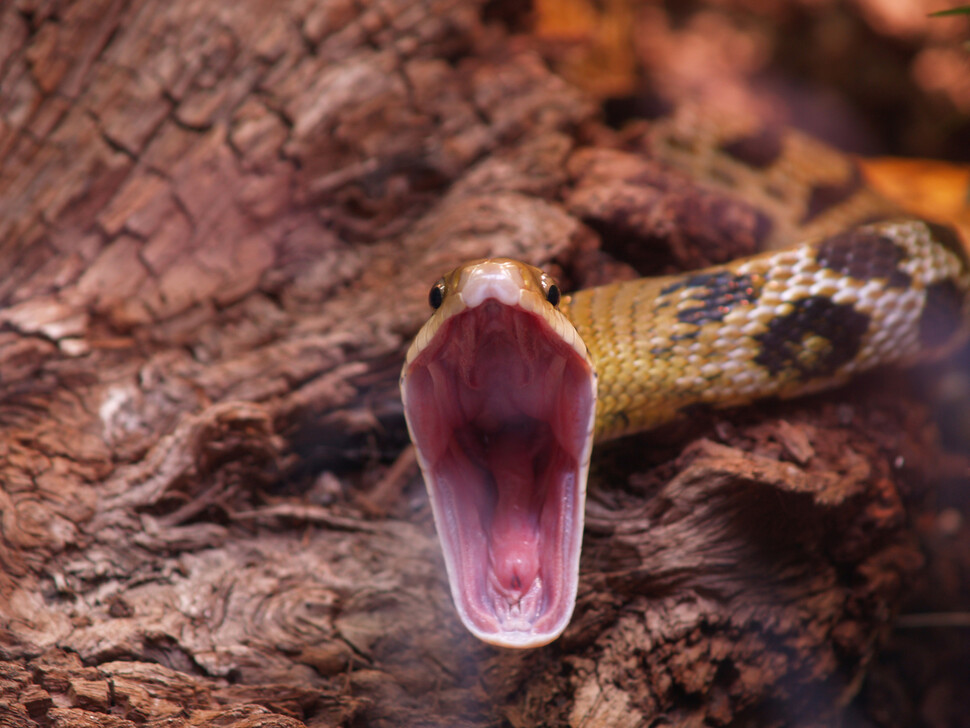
(500, 408)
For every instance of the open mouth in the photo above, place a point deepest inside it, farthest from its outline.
(500, 408)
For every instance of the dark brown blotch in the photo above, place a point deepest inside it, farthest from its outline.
(942, 316)
(864, 255)
(826, 196)
(619, 110)
(759, 150)
(838, 323)
(718, 294)
(950, 239)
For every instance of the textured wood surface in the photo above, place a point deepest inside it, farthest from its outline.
(218, 224)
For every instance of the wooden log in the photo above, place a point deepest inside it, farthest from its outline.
(218, 223)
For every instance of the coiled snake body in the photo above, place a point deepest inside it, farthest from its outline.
(506, 386)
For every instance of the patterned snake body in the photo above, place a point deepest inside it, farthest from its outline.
(506, 386)
(783, 323)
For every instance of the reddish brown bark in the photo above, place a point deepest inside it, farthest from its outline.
(219, 222)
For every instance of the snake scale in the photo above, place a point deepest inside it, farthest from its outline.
(509, 382)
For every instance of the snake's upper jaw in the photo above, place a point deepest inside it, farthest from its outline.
(500, 402)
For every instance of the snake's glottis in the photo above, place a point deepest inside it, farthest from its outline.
(506, 386)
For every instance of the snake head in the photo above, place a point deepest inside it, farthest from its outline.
(500, 397)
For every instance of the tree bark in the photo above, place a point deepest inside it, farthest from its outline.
(219, 222)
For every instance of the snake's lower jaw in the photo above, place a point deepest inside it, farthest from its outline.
(516, 586)
(501, 412)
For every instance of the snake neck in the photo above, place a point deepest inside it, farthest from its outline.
(783, 323)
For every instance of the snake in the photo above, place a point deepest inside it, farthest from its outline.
(510, 381)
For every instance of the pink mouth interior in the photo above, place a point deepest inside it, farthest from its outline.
(500, 409)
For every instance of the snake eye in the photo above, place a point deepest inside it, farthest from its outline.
(437, 294)
(552, 295)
